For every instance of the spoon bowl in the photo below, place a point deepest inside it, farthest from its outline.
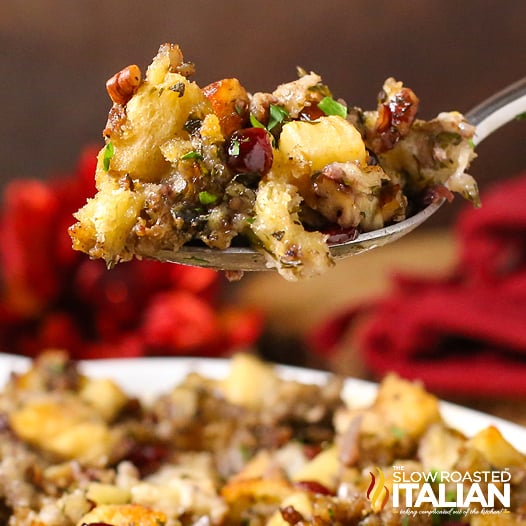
(496, 111)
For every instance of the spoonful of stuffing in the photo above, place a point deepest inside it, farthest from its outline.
(291, 180)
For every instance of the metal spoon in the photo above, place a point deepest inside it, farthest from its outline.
(494, 112)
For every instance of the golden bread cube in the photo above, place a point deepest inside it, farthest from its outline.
(124, 515)
(496, 449)
(106, 220)
(101, 493)
(163, 110)
(64, 427)
(105, 396)
(406, 405)
(249, 381)
(323, 141)
(323, 468)
(229, 101)
(294, 252)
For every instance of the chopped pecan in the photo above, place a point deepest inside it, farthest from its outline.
(124, 84)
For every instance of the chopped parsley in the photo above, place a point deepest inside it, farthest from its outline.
(179, 88)
(255, 122)
(192, 155)
(234, 148)
(277, 115)
(206, 198)
(192, 125)
(108, 154)
(398, 432)
(329, 106)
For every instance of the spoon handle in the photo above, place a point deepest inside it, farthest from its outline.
(499, 109)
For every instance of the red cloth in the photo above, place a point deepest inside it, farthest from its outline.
(464, 334)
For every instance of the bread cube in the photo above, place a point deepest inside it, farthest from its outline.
(323, 141)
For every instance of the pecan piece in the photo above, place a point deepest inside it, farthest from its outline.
(124, 84)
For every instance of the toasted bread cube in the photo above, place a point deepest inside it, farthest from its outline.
(105, 221)
(230, 103)
(323, 468)
(249, 381)
(407, 405)
(101, 493)
(105, 396)
(294, 251)
(323, 141)
(124, 515)
(496, 449)
(64, 427)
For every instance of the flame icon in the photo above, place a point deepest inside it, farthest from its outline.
(377, 492)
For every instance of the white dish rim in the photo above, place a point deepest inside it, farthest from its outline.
(162, 373)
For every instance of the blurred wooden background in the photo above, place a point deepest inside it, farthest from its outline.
(57, 54)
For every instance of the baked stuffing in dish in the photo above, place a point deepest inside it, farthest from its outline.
(287, 173)
(250, 449)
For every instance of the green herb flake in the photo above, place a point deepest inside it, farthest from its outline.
(398, 432)
(521, 116)
(255, 122)
(245, 452)
(192, 125)
(277, 115)
(109, 152)
(445, 139)
(234, 148)
(329, 106)
(179, 88)
(192, 155)
(206, 198)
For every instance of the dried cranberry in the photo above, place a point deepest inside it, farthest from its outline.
(396, 115)
(311, 113)
(250, 151)
(337, 235)
(313, 487)
(436, 193)
(291, 515)
(147, 458)
(311, 450)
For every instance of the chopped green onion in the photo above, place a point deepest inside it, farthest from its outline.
(206, 198)
(521, 116)
(109, 152)
(329, 106)
(191, 155)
